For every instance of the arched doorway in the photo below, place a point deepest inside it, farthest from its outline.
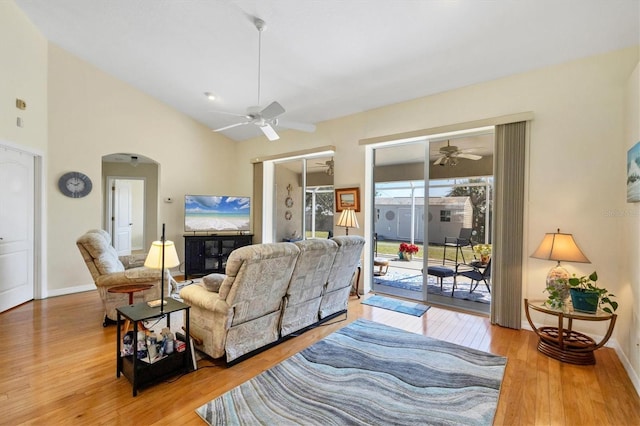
(130, 201)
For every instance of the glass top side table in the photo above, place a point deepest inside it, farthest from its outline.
(562, 342)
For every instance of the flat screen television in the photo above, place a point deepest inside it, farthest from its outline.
(213, 213)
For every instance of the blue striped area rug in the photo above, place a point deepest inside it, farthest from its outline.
(397, 305)
(368, 373)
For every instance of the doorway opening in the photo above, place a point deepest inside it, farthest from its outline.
(130, 200)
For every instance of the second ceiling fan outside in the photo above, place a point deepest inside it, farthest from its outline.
(450, 154)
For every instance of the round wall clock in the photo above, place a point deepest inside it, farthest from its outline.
(75, 184)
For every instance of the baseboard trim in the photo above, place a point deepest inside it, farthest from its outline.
(70, 290)
(633, 376)
(613, 344)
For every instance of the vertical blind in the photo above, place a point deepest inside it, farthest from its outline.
(508, 217)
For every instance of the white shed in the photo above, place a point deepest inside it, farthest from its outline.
(446, 216)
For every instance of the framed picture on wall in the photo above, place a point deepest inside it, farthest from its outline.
(633, 174)
(348, 198)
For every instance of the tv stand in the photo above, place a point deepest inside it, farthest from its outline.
(206, 254)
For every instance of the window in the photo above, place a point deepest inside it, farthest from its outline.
(319, 211)
(445, 215)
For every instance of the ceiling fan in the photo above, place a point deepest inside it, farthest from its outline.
(329, 165)
(449, 155)
(265, 118)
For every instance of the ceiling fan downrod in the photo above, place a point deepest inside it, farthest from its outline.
(261, 26)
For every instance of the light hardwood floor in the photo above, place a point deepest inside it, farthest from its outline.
(58, 367)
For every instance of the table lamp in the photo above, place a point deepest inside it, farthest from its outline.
(162, 254)
(559, 247)
(348, 219)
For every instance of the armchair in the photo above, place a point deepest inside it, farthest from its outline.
(109, 270)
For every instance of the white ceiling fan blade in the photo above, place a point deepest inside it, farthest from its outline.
(272, 110)
(303, 127)
(439, 160)
(469, 156)
(230, 113)
(269, 132)
(231, 126)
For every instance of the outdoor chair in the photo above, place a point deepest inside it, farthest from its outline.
(476, 273)
(462, 240)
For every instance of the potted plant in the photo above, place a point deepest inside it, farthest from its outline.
(407, 251)
(586, 296)
(484, 250)
(558, 290)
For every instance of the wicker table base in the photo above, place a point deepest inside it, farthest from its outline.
(562, 342)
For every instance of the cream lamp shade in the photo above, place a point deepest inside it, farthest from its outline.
(348, 220)
(561, 248)
(162, 254)
(154, 257)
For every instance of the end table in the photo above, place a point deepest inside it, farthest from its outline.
(140, 372)
(564, 343)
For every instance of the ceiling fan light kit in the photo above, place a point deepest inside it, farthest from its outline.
(265, 118)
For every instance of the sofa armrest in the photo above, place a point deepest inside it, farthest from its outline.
(129, 276)
(197, 296)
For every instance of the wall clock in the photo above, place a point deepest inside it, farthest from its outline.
(75, 184)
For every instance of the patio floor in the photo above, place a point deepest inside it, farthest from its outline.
(404, 279)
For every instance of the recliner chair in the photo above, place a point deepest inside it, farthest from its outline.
(110, 270)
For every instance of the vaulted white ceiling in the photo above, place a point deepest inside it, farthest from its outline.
(325, 59)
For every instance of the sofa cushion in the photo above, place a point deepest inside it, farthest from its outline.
(212, 282)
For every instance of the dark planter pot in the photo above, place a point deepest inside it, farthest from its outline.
(584, 300)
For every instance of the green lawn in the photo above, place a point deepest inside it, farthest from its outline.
(434, 252)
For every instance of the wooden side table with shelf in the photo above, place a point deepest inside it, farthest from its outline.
(140, 372)
(562, 342)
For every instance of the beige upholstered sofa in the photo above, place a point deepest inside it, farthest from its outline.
(270, 291)
(109, 270)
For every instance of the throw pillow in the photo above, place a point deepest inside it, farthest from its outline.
(212, 282)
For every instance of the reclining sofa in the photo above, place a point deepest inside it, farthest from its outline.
(271, 291)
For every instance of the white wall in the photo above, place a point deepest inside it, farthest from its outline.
(628, 218)
(576, 157)
(23, 75)
(92, 114)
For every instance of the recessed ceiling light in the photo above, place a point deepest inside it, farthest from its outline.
(210, 96)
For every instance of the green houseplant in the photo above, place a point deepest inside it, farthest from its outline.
(585, 294)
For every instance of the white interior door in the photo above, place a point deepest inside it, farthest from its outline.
(123, 217)
(16, 227)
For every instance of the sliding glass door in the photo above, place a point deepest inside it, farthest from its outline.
(399, 227)
(432, 201)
